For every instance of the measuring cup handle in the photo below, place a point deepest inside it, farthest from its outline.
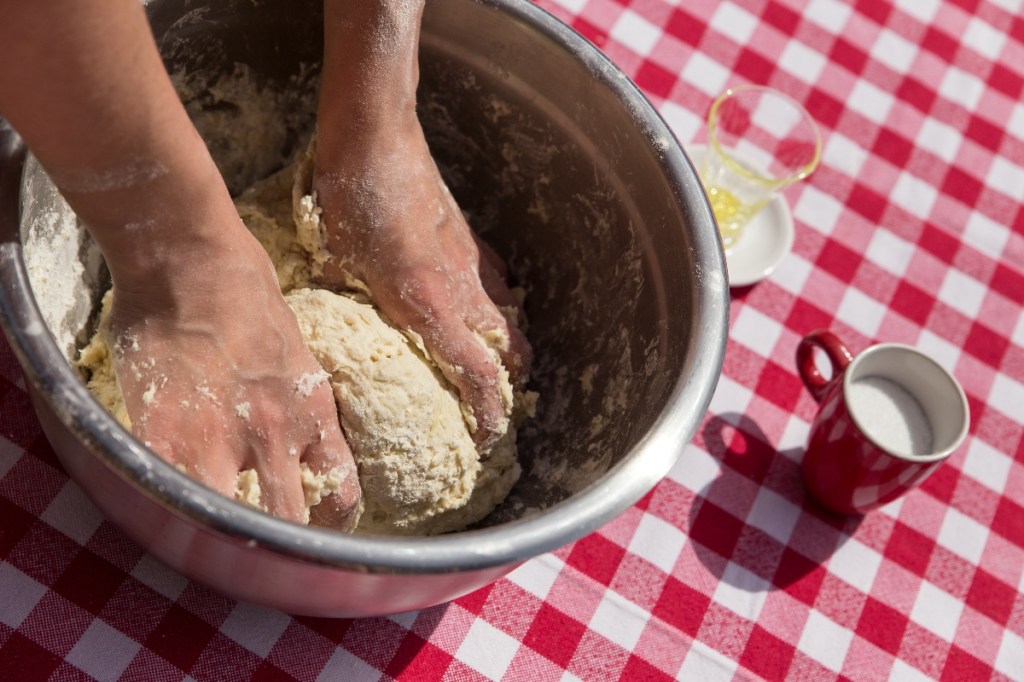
(838, 354)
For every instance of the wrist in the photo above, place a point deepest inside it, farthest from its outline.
(148, 233)
(371, 68)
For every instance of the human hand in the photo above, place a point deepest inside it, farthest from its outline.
(216, 379)
(391, 224)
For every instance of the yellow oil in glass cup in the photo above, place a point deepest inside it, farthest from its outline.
(759, 142)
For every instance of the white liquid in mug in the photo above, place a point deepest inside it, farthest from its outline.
(890, 415)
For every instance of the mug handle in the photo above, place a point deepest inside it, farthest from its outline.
(838, 354)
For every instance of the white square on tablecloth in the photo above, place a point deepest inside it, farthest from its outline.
(843, 154)
(1006, 177)
(894, 51)
(889, 251)
(861, 312)
(71, 512)
(818, 210)
(792, 273)
(574, 6)
(619, 619)
(892, 509)
(1015, 125)
(936, 611)
(18, 593)
(102, 651)
(961, 87)
(696, 470)
(803, 62)
(794, 438)
(568, 677)
(939, 349)
(404, 619)
(730, 396)
(1006, 395)
(962, 292)
(829, 14)
(537, 575)
(684, 123)
(635, 32)
(487, 649)
(940, 139)
(741, 591)
(1011, 6)
(657, 541)
(825, 641)
(914, 195)
(922, 10)
(985, 464)
(774, 514)
(1010, 659)
(734, 22)
(254, 627)
(983, 38)
(158, 577)
(705, 74)
(870, 101)
(707, 665)
(344, 665)
(986, 235)
(904, 672)
(756, 331)
(856, 563)
(9, 454)
(963, 536)
(1018, 332)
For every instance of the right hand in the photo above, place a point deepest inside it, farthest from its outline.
(392, 224)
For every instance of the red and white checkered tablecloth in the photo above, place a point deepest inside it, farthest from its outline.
(912, 230)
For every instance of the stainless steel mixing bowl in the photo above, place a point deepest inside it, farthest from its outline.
(563, 166)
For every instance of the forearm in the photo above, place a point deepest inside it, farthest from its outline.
(370, 70)
(83, 84)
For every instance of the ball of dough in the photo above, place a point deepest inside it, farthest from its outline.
(418, 465)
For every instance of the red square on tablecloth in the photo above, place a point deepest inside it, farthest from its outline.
(555, 635)
(641, 671)
(681, 606)
(597, 557)
(32, 661)
(180, 637)
(767, 655)
(881, 625)
(89, 581)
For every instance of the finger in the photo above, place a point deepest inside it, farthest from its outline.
(490, 257)
(338, 509)
(513, 347)
(497, 290)
(465, 362)
(472, 369)
(329, 455)
(280, 481)
(214, 466)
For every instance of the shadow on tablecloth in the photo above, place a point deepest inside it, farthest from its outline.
(753, 526)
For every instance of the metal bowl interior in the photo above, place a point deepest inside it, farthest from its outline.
(560, 163)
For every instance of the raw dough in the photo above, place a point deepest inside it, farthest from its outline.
(419, 468)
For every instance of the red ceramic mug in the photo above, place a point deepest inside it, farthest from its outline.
(887, 419)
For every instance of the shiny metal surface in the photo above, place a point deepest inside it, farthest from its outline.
(567, 170)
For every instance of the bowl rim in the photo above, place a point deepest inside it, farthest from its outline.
(510, 543)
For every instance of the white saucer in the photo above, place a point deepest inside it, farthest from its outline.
(766, 240)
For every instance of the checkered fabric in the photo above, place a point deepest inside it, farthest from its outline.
(912, 230)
